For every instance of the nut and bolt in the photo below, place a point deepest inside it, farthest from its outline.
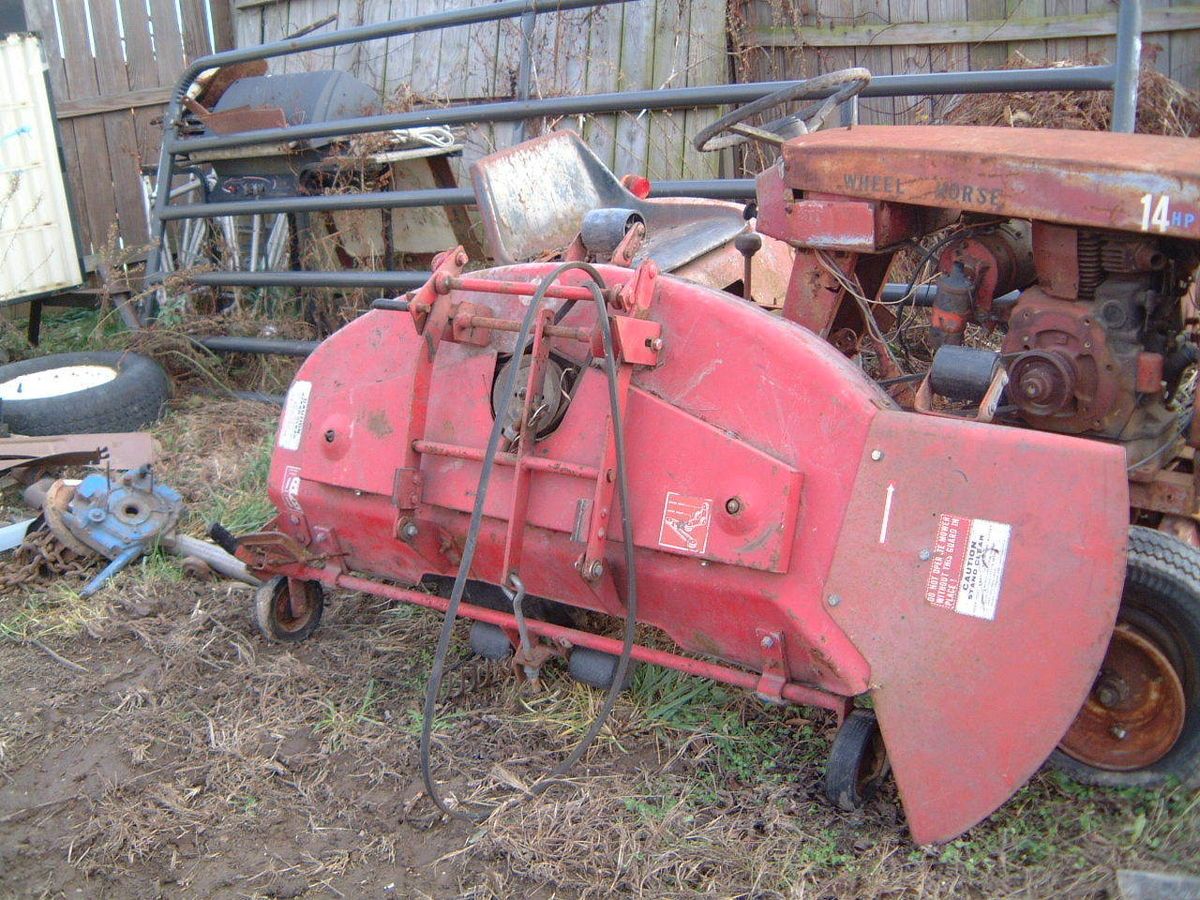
(733, 506)
(1108, 695)
(877, 455)
(596, 569)
(409, 531)
(656, 344)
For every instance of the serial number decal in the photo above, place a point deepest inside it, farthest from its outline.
(685, 523)
(1156, 213)
(875, 184)
(966, 570)
(295, 411)
(960, 191)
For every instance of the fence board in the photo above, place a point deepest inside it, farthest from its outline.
(100, 199)
(112, 76)
(39, 14)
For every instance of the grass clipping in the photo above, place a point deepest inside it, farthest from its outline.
(1164, 107)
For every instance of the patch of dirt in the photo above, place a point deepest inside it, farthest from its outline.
(190, 758)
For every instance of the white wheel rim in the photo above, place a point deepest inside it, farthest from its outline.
(55, 382)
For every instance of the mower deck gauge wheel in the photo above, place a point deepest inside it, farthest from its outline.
(287, 609)
(858, 762)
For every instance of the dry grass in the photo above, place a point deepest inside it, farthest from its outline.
(1164, 106)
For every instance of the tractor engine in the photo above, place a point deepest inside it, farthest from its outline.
(1096, 340)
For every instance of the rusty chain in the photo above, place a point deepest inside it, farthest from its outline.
(42, 557)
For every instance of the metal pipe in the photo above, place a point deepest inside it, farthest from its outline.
(233, 344)
(792, 691)
(1079, 78)
(524, 71)
(713, 188)
(348, 279)
(1128, 65)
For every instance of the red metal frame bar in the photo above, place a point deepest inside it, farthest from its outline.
(790, 691)
(538, 463)
(444, 284)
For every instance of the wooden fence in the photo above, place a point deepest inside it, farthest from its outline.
(112, 65)
(786, 39)
(632, 46)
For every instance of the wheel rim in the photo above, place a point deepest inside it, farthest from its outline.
(1135, 712)
(56, 382)
(873, 764)
(294, 606)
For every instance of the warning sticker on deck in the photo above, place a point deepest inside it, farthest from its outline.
(291, 488)
(966, 571)
(685, 523)
(295, 411)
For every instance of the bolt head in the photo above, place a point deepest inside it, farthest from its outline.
(924, 555)
(768, 642)
(656, 344)
(834, 599)
(596, 569)
(410, 531)
(1118, 732)
(733, 506)
(877, 455)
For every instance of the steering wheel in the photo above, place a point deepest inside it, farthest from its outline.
(844, 84)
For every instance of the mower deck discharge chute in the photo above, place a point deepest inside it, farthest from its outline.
(789, 522)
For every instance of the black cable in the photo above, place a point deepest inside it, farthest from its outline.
(472, 540)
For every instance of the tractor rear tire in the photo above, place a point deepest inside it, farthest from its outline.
(1159, 620)
(857, 762)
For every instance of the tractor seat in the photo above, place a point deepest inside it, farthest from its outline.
(533, 199)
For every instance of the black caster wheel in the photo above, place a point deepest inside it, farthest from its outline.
(490, 641)
(287, 609)
(857, 762)
(597, 668)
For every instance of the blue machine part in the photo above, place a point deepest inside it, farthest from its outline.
(120, 518)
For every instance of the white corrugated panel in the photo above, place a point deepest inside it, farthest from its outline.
(37, 243)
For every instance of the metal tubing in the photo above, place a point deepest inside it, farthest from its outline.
(1128, 65)
(713, 188)
(348, 279)
(232, 344)
(1079, 78)
(793, 692)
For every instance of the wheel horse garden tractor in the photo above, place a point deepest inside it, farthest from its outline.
(599, 434)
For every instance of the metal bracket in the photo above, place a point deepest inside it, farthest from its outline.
(774, 670)
(406, 488)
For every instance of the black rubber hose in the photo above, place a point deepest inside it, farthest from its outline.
(472, 540)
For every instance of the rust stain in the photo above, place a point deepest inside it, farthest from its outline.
(378, 424)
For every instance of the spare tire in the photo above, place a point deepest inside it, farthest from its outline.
(82, 393)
